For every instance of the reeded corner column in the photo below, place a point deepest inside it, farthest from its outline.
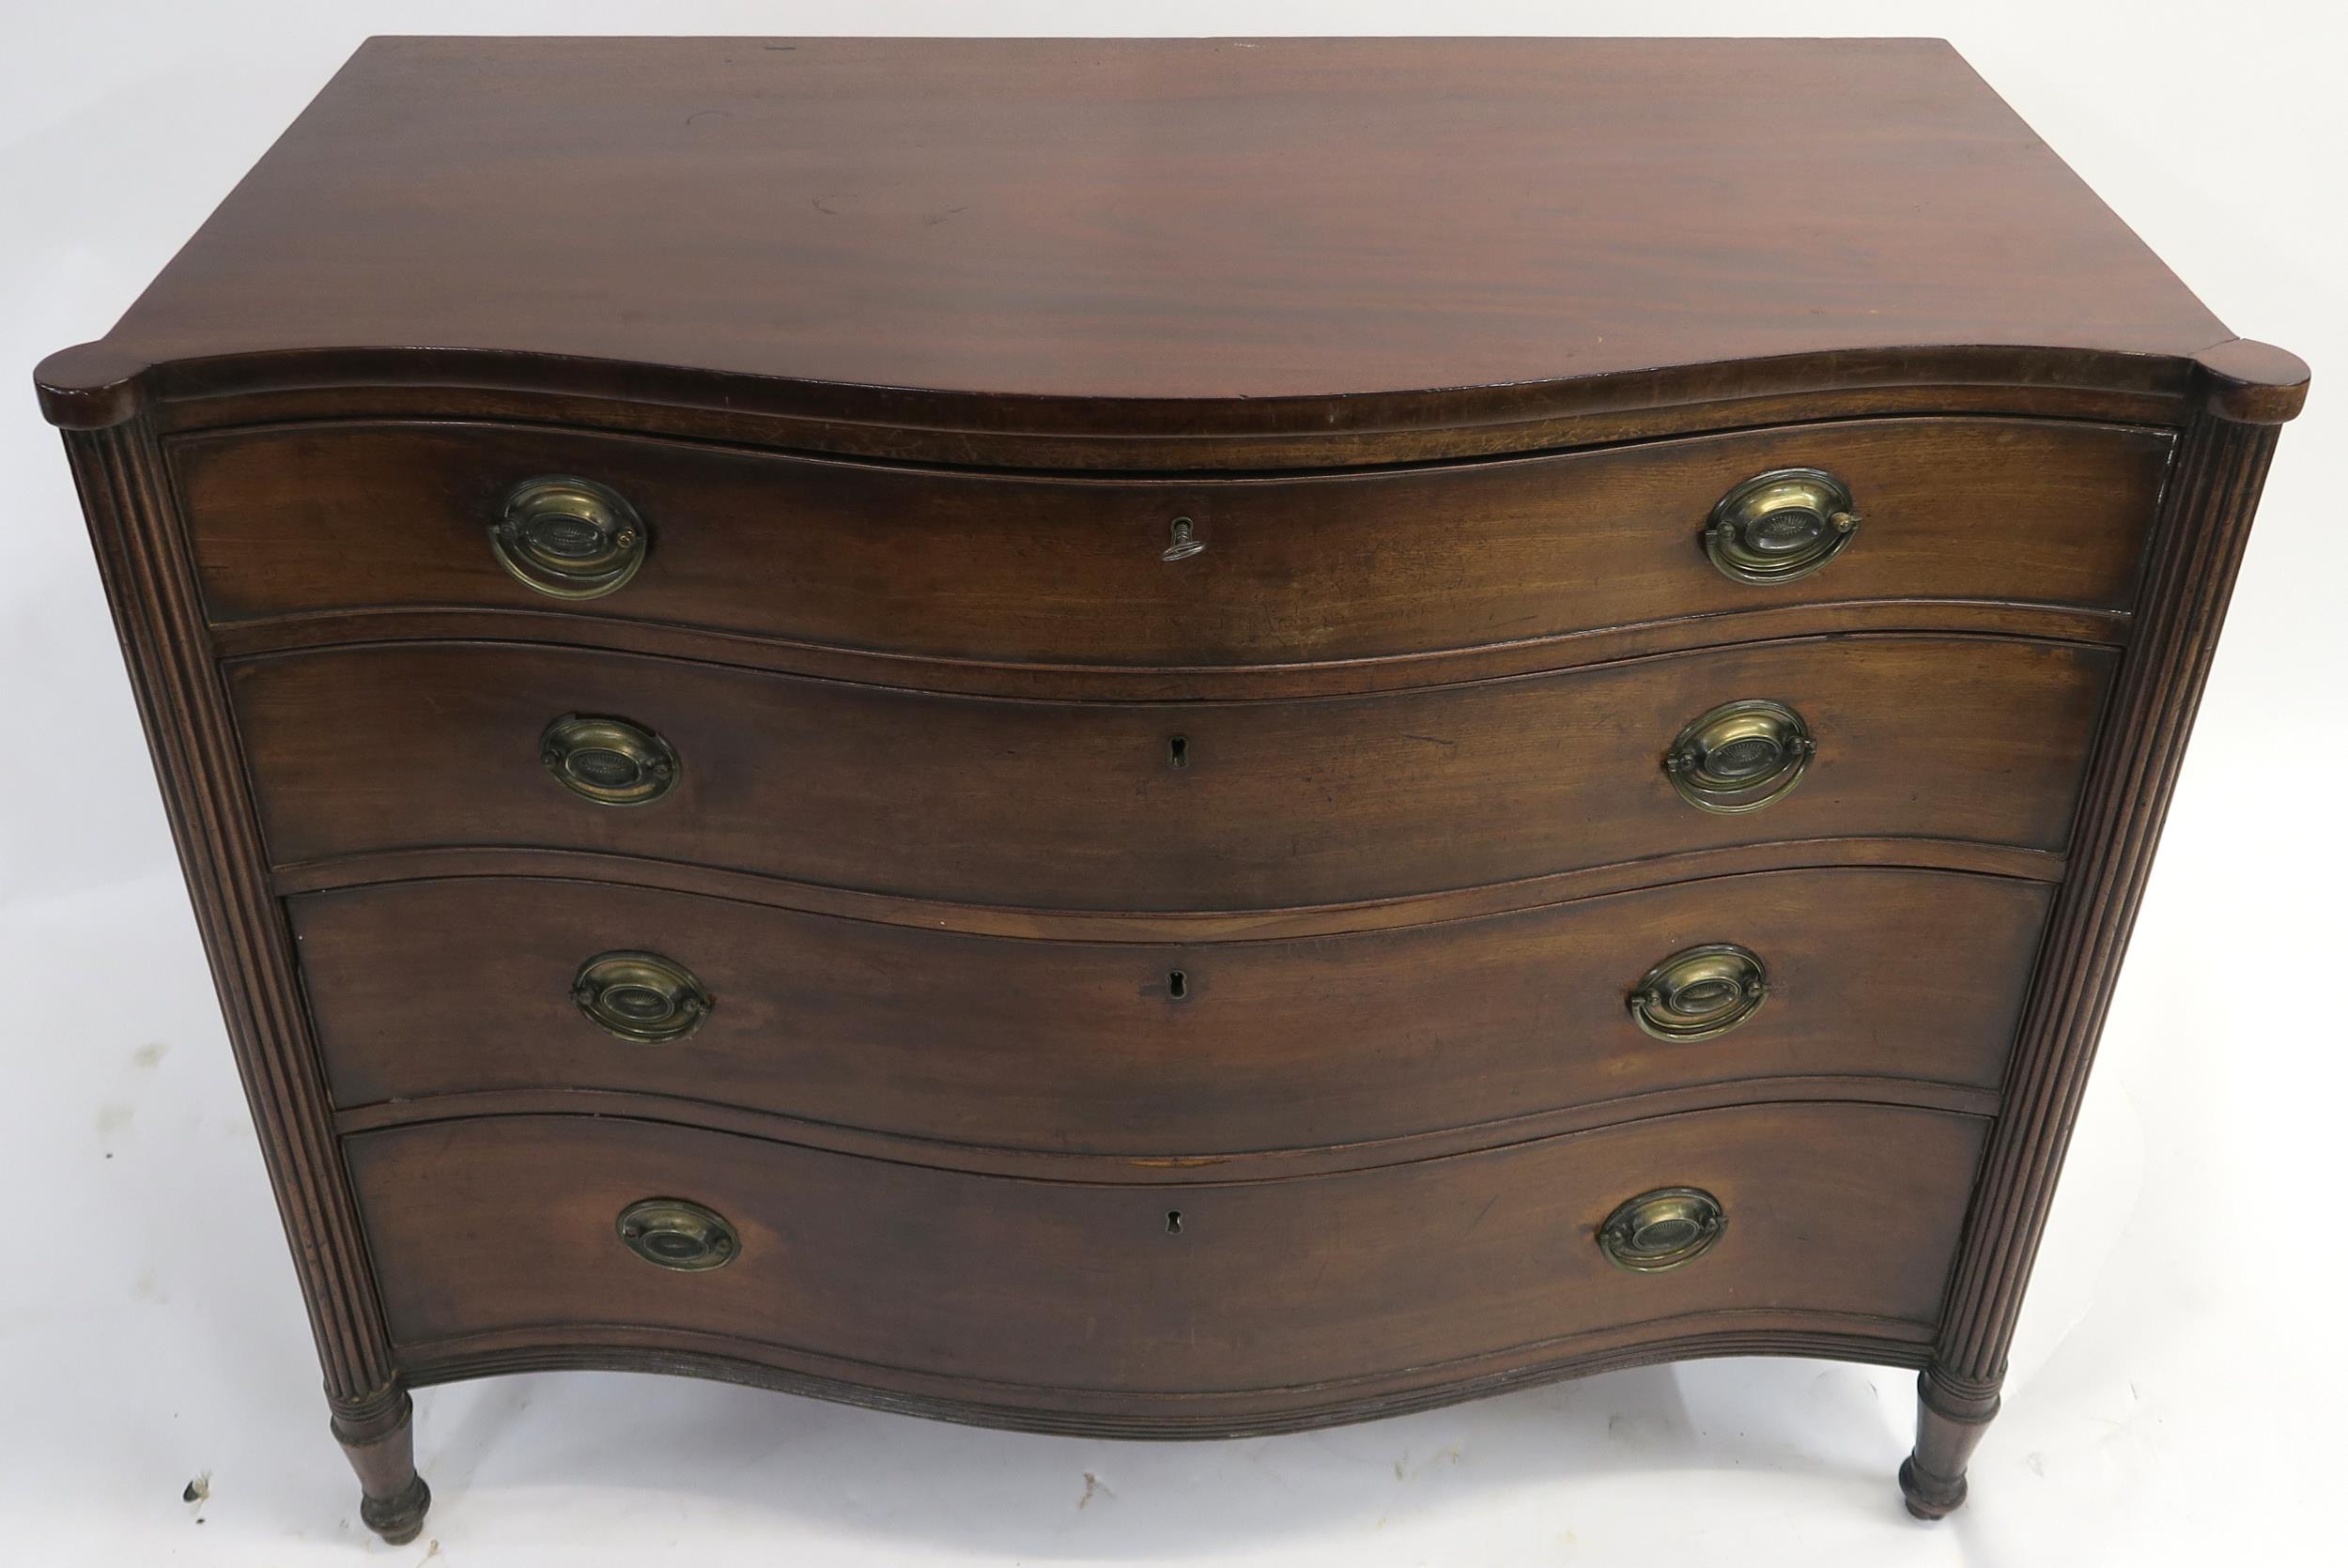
(2242, 395)
(102, 403)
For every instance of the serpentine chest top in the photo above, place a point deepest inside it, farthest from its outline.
(1164, 738)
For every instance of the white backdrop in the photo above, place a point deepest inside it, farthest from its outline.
(2173, 1397)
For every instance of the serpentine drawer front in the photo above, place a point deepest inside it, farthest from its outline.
(471, 988)
(1037, 1295)
(390, 749)
(1964, 512)
(1249, 790)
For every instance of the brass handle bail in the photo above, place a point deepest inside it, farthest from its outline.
(1663, 1229)
(567, 537)
(1740, 756)
(1781, 526)
(673, 1233)
(611, 762)
(640, 996)
(1700, 992)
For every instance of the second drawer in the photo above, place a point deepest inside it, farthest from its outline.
(1146, 805)
(470, 985)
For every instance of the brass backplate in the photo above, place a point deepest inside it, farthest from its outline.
(1700, 992)
(1781, 526)
(675, 1233)
(611, 762)
(568, 537)
(1663, 1229)
(640, 996)
(1740, 756)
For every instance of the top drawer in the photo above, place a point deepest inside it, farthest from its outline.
(962, 565)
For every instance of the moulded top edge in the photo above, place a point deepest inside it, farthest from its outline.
(94, 385)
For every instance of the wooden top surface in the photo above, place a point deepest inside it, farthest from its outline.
(1214, 222)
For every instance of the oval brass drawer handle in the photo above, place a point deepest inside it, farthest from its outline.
(609, 761)
(678, 1235)
(1782, 525)
(640, 996)
(567, 537)
(1740, 756)
(1700, 992)
(1662, 1229)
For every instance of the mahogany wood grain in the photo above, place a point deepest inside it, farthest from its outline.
(1148, 235)
(508, 1223)
(1305, 570)
(1082, 807)
(423, 990)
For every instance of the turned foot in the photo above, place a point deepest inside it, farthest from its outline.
(377, 1434)
(1929, 1496)
(1950, 1419)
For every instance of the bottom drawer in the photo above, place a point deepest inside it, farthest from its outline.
(495, 1236)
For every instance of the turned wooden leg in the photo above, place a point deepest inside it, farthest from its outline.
(1950, 1419)
(379, 1436)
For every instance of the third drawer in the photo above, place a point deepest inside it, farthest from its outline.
(479, 986)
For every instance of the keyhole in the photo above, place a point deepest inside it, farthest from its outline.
(1173, 1222)
(1177, 984)
(1178, 752)
(1182, 541)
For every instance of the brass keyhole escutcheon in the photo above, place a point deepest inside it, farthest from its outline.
(569, 538)
(1781, 526)
(1700, 992)
(640, 996)
(1182, 541)
(1662, 1229)
(1740, 757)
(610, 761)
(676, 1234)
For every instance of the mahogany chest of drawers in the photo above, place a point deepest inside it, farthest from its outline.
(1164, 738)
